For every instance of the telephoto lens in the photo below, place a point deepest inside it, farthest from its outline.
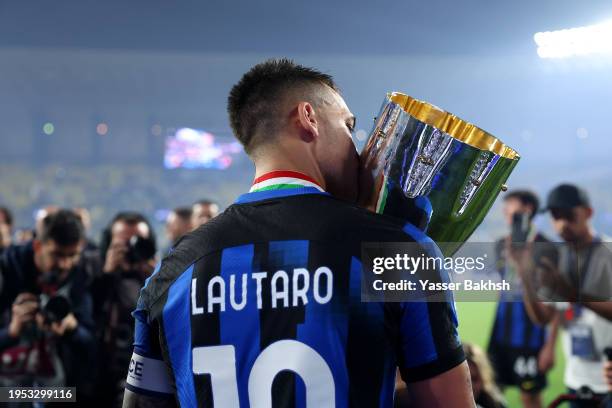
(140, 249)
(54, 308)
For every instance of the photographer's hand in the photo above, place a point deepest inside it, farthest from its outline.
(146, 268)
(521, 258)
(552, 278)
(67, 325)
(23, 311)
(115, 256)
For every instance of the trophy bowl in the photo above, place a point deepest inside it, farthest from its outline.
(421, 158)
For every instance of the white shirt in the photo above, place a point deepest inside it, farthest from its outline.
(598, 282)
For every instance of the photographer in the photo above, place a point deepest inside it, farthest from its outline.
(178, 223)
(128, 250)
(582, 279)
(203, 211)
(521, 352)
(47, 328)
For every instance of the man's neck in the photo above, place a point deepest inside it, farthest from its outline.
(585, 240)
(289, 161)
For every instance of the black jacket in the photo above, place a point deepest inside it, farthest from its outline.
(76, 349)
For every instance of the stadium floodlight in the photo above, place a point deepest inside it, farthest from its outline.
(593, 39)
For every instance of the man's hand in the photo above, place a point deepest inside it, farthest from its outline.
(23, 311)
(552, 278)
(146, 268)
(546, 358)
(133, 400)
(67, 325)
(115, 256)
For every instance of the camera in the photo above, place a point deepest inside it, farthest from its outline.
(54, 308)
(140, 249)
(520, 227)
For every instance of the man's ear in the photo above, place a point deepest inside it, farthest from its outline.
(307, 121)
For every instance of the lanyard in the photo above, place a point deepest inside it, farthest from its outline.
(582, 269)
(576, 309)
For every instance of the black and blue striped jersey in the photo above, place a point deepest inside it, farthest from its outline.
(512, 327)
(261, 307)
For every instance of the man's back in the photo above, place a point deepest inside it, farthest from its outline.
(262, 307)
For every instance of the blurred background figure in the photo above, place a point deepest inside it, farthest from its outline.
(202, 212)
(581, 284)
(128, 250)
(6, 228)
(41, 214)
(85, 217)
(486, 391)
(521, 351)
(178, 223)
(46, 336)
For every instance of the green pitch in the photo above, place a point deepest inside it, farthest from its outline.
(475, 323)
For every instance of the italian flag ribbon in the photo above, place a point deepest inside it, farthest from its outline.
(283, 179)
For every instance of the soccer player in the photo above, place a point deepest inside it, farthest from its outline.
(260, 307)
(521, 352)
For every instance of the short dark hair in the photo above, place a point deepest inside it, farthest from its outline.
(526, 197)
(253, 102)
(205, 202)
(130, 218)
(8, 216)
(64, 227)
(184, 213)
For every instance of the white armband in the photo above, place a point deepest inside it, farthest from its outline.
(148, 375)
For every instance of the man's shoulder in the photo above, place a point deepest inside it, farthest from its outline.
(316, 210)
(317, 217)
(15, 257)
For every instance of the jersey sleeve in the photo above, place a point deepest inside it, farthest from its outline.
(147, 373)
(429, 343)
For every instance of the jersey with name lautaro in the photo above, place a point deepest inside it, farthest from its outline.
(261, 307)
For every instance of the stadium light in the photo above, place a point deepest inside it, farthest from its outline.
(102, 129)
(48, 128)
(593, 39)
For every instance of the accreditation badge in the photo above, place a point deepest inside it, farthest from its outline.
(583, 342)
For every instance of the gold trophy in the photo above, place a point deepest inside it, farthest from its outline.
(419, 156)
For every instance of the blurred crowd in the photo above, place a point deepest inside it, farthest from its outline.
(106, 189)
(66, 300)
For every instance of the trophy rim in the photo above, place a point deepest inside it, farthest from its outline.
(454, 126)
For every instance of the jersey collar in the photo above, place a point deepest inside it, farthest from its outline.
(281, 183)
(282, 180)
